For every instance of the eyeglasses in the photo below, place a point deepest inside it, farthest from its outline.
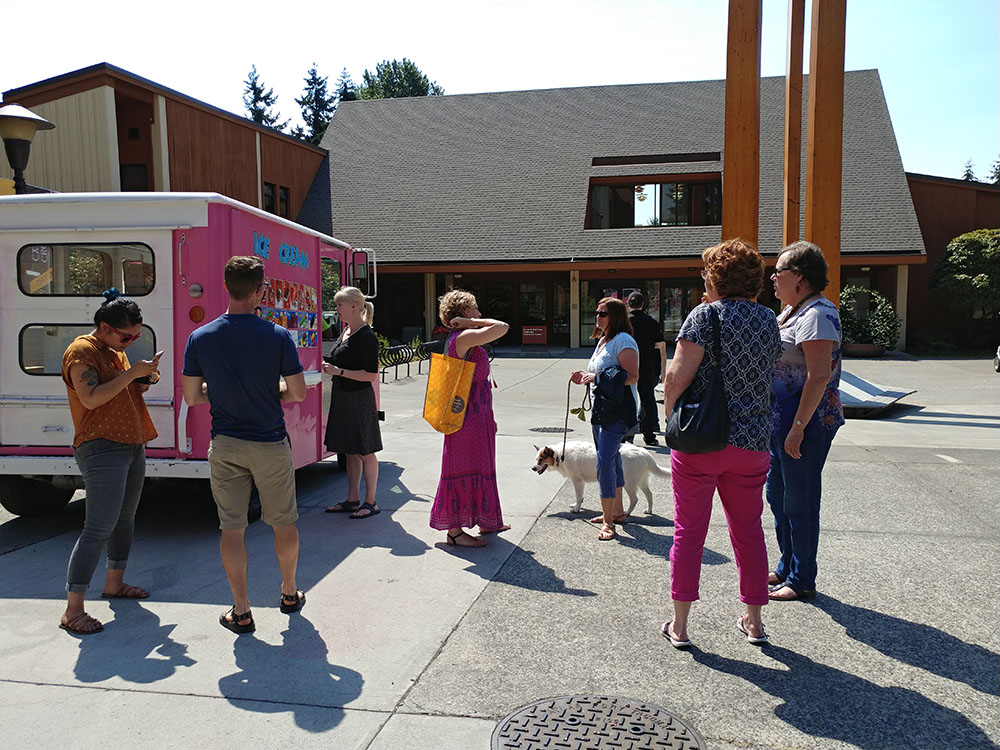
(124, 337)
(601, 314)
(779, 271)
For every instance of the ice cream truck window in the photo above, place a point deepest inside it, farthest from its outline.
(42, 345)
(85, 269)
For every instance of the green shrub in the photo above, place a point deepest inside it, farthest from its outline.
(880, 327)
(968, 275)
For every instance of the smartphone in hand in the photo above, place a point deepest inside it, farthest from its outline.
(153, 377)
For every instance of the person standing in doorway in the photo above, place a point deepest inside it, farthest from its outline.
(652, 364)
(236, 363)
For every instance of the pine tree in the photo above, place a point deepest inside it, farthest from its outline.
(395, 79)
(967, 173)
(258, 101)
(346, 90)
(995, 172)
(317, 107)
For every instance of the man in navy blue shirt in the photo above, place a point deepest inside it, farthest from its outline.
(244, 367)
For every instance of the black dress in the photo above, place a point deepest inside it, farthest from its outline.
(352, 424)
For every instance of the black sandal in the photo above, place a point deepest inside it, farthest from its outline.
(344, 506)
(231, 621)
(372, 511)
(292, 602)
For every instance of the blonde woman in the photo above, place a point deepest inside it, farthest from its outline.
(352, 424)
(467, 492)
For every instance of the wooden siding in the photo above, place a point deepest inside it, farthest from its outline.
(285, 163)
(945, 209)
(81, 154)
(209, 153)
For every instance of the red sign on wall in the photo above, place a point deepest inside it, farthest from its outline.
(534, 334)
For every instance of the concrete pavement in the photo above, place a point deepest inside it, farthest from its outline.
(407, 643)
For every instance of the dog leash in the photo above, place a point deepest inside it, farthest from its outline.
(584, 407)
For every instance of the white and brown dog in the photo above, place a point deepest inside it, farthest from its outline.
(579, 465)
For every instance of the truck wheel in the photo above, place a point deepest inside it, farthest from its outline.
(996, 363)
(32, 497)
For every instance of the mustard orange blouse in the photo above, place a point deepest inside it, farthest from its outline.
(123, 419)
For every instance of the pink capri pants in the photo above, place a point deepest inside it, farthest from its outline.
(739, 475)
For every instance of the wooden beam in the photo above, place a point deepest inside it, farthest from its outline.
(825, 134)
(793, 121)
(741, 157)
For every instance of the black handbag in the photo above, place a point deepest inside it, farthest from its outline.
(702, 426)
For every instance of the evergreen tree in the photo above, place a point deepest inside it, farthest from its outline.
(967, 173)
(317, 107)
(346, 90)
(395, 79)
(258, 100)
(995, 172)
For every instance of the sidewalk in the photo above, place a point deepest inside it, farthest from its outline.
(408, 644)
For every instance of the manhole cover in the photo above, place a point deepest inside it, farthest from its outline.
(549, 429)
(579, 722)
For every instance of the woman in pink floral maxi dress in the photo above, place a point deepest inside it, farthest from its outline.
(467, 493)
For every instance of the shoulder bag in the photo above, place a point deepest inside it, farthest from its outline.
(447, 395)
(702, 426)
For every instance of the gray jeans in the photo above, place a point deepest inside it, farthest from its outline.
(113, 474)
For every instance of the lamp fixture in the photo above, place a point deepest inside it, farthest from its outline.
(17, 129)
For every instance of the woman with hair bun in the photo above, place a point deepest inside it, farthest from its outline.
(111, 426)
(467, 493)
(352, 424)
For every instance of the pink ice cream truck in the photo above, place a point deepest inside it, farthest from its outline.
(166, 251)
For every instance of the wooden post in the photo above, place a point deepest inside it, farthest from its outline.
(741, 169)
(793, 121)
(825, 134)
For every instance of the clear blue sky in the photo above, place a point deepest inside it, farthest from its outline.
(939, 60)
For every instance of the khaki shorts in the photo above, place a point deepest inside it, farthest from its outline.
(237, 465)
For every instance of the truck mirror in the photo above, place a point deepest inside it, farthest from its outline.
(362, 273)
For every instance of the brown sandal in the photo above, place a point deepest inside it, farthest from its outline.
(76, 625)
(127, 592)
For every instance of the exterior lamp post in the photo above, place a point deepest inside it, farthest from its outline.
(17, 129)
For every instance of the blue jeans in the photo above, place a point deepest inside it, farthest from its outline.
(113, 474)
(793, 491)
(608, 441)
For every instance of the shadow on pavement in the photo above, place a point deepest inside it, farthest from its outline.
(134, 647)
(821, 701)
(520, 568)
(313, 690)
(918, 645)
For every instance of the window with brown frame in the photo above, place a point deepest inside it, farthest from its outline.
(655, 204)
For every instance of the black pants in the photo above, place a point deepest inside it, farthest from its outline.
(649, 419)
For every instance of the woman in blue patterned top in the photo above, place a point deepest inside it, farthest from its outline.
(734, 276)
(805, 415)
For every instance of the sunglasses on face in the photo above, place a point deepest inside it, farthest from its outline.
(779, 271)
(601, 314)
(124, 337)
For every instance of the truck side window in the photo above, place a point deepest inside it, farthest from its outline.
(330, 278)
(85, 269)
(41, 346)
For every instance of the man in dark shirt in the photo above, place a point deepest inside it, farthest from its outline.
(652, 365)
(249, 366)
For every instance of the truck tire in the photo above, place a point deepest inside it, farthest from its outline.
(32, 497)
